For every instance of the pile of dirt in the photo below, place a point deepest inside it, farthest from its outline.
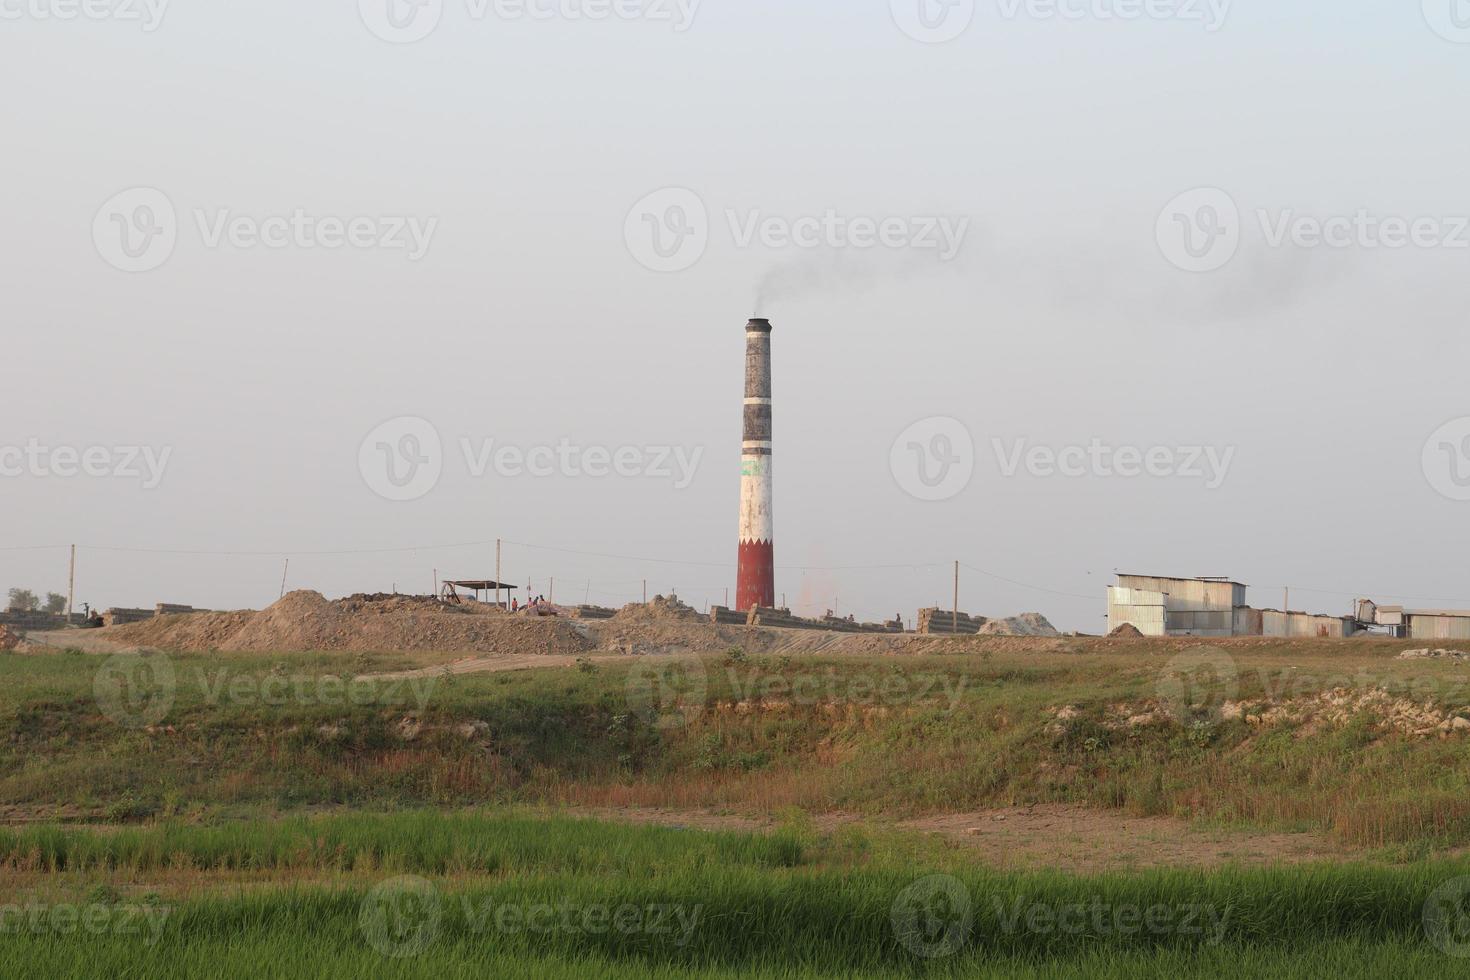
(308, 621)
(1125, 632)
(1026, 624)
(662, 609)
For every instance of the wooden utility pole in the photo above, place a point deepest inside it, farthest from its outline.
(587, 599)
(645, 592)
(497, 573)
(71, 585)
(551, 590)
(287, 568)
(955, 623)
(1286, 600)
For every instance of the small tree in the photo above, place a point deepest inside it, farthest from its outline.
(22, 600)
(55, 603)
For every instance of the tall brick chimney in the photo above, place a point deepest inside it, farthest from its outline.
(755, 583)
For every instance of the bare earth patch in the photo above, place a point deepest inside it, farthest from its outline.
(1054, 836)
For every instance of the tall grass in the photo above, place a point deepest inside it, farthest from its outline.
(566, 736)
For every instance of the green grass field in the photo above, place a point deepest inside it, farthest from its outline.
(268, 817)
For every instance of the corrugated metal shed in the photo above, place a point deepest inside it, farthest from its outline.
(1189, 593)
(1144, 610)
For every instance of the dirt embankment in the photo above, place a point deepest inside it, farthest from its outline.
(308, 621)
(377, 623)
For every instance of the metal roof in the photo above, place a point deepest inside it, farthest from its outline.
(1217, 580)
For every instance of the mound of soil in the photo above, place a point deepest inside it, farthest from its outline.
(1125, 632)
(309, 621)
(1026, 624)
(660, 610)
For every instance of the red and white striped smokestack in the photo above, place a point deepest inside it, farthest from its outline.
(755, 582)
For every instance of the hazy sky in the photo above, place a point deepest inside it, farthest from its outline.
(548, 231)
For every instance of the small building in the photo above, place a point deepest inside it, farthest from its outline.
(1163, 606)
(1210, 607)
(1426, 624)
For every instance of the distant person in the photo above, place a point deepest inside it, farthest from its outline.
(515, 605)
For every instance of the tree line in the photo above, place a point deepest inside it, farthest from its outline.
(26, 601)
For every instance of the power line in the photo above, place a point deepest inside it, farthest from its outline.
(1027, 585)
